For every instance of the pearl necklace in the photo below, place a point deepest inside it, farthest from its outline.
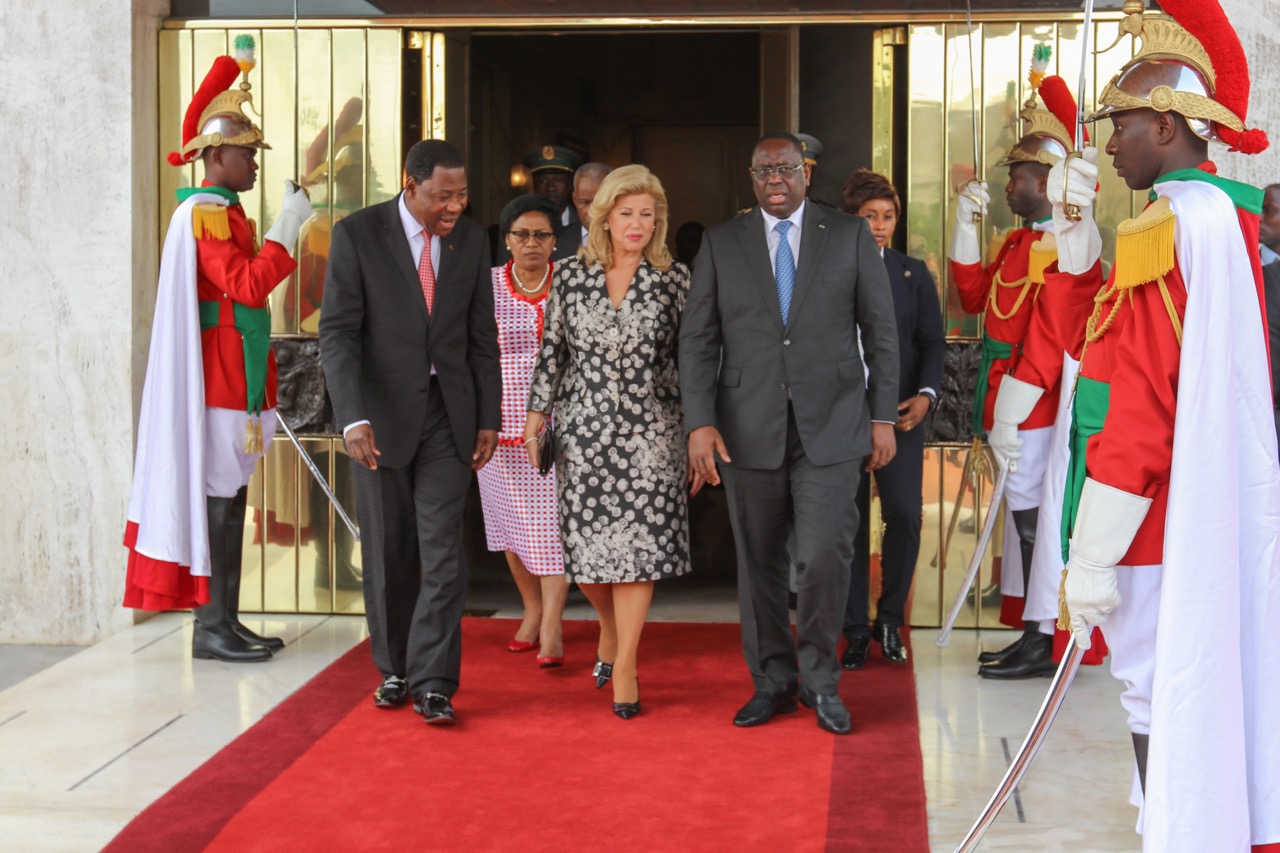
(529, 290)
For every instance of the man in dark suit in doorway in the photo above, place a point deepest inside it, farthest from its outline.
(410, 352)
(773, 384)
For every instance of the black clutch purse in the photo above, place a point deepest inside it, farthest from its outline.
(546, 450)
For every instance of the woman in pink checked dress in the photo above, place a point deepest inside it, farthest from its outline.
(519, 505)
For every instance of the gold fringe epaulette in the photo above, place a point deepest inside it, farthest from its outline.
(1043, 253)
(209, 222)
(1144, 246)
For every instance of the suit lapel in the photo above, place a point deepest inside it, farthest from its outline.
(448, 248)
(897, 279)
(755, 249)
(813, 236)
(402, 256)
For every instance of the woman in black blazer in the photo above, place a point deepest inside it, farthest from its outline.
(921, 344)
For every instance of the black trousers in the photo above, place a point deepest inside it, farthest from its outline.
(415, 572)
(901, 506)
(764, 506)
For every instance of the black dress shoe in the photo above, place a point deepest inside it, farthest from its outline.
(830, 710)
(855, 654)
(435, 709)
(763, 707)
(997, 656)
(1033, 660)
(391, 693)
(275, 644)
(603, 672)
(891, 644)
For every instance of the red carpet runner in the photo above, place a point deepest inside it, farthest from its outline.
(538, 761)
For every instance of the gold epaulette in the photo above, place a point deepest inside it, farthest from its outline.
(1043, 253)
(209, 221)
(1144, 246)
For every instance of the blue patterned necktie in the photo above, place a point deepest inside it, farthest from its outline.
(784, 269)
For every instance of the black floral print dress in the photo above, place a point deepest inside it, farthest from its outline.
(609, 378)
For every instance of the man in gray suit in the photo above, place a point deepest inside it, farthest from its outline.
(773, 383)
(410, 352)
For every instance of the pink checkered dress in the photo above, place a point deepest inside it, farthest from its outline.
(519, 505)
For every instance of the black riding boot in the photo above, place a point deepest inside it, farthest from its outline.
(235, 554)
(1024, 522)
(1140, 744)
(1032, 655)
(213, 637)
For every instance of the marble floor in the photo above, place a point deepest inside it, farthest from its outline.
(88, 740)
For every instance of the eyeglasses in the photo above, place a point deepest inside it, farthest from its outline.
(778, 171)
(525, 236)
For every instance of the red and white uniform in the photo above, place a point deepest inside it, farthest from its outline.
(1196, 638)
(520, 508)
(192, 425)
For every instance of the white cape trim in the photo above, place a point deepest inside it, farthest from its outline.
(168, 501)
(1213, 778)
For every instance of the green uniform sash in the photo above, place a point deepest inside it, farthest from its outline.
(1088, 414)
(254, 326)
(991, 350)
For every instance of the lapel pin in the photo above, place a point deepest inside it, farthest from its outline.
(906, 273)
(822, 226)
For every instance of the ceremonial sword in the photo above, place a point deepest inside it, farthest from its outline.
(988, 526)
(1072, 657)
(320, 478)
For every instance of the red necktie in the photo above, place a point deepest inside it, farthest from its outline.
(426, 274)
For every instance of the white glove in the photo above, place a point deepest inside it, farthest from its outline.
(1014, 402)
(1075, 181)
(294, 210)
(1091, 596)
(1106, 522)
(973, 200)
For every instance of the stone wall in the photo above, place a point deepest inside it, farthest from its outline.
(1258, 22)
(80, 251)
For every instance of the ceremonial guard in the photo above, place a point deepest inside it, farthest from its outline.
(208, 404)
(1008, 291)
(1173, 502)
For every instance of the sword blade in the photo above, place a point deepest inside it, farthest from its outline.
(1084, 73)
(320, 478)
(1027, 752)
(980, 550)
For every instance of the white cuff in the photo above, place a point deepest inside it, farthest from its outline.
(1015, 400)
(1106, 522)
(349, 427)
(964, 244)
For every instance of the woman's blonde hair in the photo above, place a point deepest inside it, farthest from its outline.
(624, 181)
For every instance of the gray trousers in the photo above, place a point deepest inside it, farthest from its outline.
(763, 505)
(415, 573)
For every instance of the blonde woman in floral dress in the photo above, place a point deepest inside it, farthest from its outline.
(607, 370)
(519, 505)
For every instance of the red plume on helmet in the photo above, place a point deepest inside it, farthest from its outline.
(218, 80)
(1205, 20)
(1057, 98)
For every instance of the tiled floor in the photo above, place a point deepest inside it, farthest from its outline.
(87, 742)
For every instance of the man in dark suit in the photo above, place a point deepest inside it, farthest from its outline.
(410, 353)
(773, 383)
(921, 347)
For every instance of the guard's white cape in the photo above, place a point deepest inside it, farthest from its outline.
(1046, 564)
(168, 498)
(1213, 776)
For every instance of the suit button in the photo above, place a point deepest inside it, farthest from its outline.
(787, 342)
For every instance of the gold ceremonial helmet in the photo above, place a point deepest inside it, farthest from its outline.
(1172, 72)
(223, 120)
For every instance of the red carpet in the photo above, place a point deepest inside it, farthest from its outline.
(539, 762)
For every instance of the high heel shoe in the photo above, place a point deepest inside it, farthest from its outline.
(627, 710)
(550, 661)
(522, 646)
(603, 672)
